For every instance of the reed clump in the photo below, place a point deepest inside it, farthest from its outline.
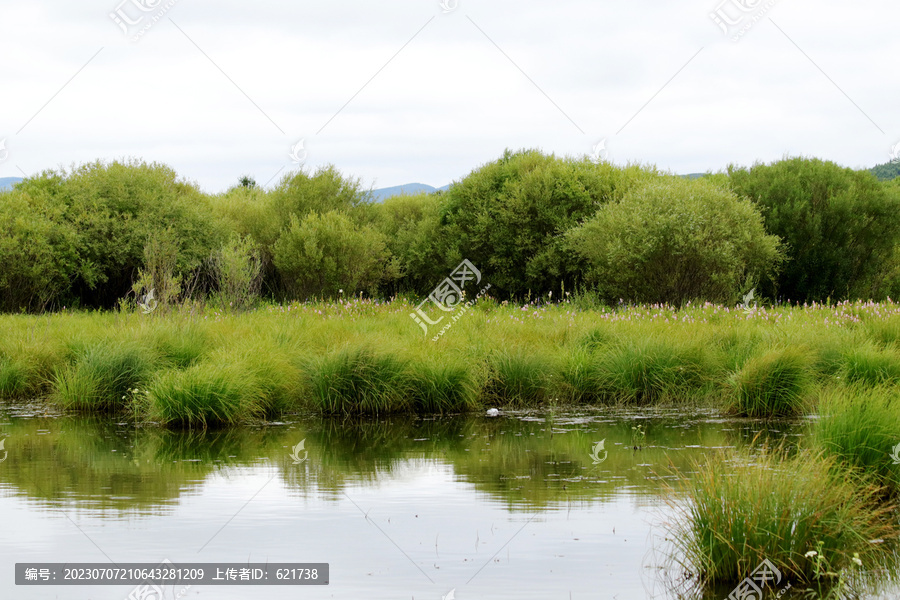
(101, 376)
(737, 510)
(774, 384)
(859, 426)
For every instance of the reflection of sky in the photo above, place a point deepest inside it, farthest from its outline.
(423, 534)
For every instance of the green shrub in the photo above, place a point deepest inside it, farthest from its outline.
(507, 217)
(674, 240)
(38, 251)
(237, 269)
(772, 385)
(839, 225)
(323, 254)
(411, 225)
(99, 217)
(299, 194)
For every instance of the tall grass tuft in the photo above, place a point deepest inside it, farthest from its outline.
(646, 371)
(442, 388)
(275, 372)
(102, 376)
(181, 344)
(14, 378)
(886, 331)
(772, 385)
(596, 339)
(733, 516)
(517, 378)
(860, 427)
(871, 366)
(578, 377)
(206, 394)
(359, 381)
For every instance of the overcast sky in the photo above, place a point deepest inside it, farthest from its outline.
(413, 91)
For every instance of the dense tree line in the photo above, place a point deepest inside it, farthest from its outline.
(798, 229)
(887, 171)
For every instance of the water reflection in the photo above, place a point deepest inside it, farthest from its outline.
(526, 460)
(433, 486)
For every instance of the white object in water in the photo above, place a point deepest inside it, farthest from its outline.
(493, 412)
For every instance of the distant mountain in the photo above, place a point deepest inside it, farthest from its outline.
(887, 171)
(407, 188)
(6, 183)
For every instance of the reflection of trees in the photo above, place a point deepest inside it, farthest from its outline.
(534, 462)
(106, 466)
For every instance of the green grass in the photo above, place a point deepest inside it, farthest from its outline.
(204, 368)
(885, 331)
(367, 357)
(596, 339)
(442, 387)
(360, 381)
(182, 344)
(871, 366)
(517, 378)
(13, 378)
(578, 377)
(860, 427)
(206, 394)
(649, 371)
(737, 510)
(101, 376)
(772, 385)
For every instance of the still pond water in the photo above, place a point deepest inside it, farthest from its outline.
(524, 506)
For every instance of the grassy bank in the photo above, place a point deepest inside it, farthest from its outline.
(822, 516)
(360, 356)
